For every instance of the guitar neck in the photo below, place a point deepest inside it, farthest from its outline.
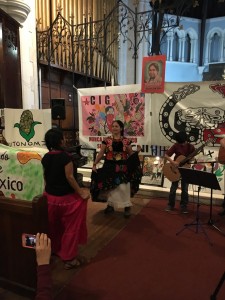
(195, 152)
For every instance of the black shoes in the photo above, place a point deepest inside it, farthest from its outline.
(184, 210)
(108, 210)
(127, 212)
(169, 208)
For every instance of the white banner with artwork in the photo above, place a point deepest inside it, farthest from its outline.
(26, 128)
(152, 120)
(21, 173)
(197, 108)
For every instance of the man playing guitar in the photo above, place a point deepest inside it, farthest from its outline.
(180, 148)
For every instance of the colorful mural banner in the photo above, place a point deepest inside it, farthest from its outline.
(21, 173)
(153, 120)
(99, 107)
(26, 128)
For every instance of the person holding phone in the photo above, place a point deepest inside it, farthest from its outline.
(43, 254)
(67, 201)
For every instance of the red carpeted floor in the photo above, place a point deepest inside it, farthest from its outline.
(148, 260)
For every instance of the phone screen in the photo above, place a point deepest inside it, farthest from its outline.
(28, 240)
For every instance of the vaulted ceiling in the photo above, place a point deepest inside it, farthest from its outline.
(213, 9)
(192, 8)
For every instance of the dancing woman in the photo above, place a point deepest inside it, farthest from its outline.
(121, 173)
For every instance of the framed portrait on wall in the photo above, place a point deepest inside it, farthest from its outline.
(153, 74)
(90, 153)
(152, 167)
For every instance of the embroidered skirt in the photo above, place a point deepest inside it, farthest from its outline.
(115, 173)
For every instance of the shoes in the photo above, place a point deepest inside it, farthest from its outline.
(222, 213)
(169, 208)
(127, 212)
(184, 210)
(75, 263)
(108, 210)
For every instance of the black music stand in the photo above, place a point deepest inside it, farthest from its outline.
(211, 222)
(214, 295)
(199, 178)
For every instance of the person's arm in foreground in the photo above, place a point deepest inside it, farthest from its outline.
(43, 254)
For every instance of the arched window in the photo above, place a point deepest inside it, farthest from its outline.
(187, 49)
(215, 48)
(176, 47)
(163, 44)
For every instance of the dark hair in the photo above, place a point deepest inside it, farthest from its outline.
(53, 139)
(155, 65)
(181, 137)
(108, 108)
(120, 123)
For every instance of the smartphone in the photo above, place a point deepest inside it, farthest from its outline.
(28, 240)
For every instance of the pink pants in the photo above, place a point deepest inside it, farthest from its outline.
(67, 224)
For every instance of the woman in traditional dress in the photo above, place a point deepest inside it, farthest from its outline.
(67, 201)
(121, 172)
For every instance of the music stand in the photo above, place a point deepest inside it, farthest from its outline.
(211, 222)
(214, 295)
(199, 178)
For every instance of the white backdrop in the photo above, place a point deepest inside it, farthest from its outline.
(152, 120)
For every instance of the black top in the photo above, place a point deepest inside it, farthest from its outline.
(54, 163)
(117, 145)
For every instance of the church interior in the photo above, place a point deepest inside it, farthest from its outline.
(56, 57)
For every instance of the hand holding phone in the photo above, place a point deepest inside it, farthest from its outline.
(43, 249)
(28, 240)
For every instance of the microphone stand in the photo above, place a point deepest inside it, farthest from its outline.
(196, 222)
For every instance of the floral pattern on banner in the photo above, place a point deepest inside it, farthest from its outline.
(99, 115)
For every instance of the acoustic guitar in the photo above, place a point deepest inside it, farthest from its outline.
(172, 173)
(221, 155)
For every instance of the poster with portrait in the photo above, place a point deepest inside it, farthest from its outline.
(153, 74)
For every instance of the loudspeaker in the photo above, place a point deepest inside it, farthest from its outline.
(58, 109)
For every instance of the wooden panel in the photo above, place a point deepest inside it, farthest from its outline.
(18, 264)
(10, 70)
